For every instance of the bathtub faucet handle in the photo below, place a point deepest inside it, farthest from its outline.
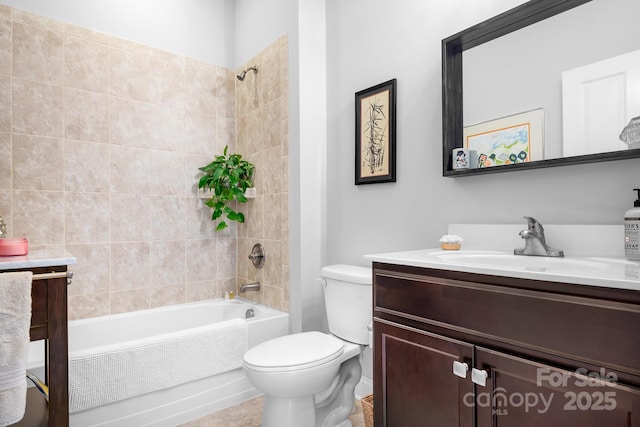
(257, 255)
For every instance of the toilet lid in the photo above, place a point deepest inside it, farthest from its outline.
(296, 351)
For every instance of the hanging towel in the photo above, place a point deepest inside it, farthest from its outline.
(15, 320)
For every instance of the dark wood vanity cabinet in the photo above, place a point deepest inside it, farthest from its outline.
(549, 354)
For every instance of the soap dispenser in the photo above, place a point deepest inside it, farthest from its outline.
(632, 230)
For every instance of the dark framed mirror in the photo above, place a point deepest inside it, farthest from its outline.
(517, 84)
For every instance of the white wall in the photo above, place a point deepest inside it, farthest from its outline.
(258, 23)
(371, 41)
(201, 29)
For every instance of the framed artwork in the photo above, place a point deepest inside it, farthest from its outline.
(508, 140)
(376, 134)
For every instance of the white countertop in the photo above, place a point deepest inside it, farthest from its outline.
(592, 271)
(37, 258)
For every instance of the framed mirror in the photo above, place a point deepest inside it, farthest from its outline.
(560, 76)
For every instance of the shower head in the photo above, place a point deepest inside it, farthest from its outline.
(244, 72)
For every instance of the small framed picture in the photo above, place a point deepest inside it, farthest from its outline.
(376, 134)
(507, 140)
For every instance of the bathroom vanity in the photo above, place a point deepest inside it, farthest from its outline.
(49, 323)
(462, 342)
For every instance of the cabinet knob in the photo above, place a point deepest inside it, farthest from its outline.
(460, 369)
(479, 376)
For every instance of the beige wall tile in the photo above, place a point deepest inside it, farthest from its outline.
(87, 217)
(129, 74)
(5, 210)
(92, 305)
(37, 108)
(91, 272)
(272, 173)
(273, 270)
(164, 127)
(130, 265)
(5, 103)
(167, 263)
(254, 218)
(38, 163)
(39, 216)
(130, 46)
(273, 217)
(201, 260)
(5, 12)
(270, 74)
(225, 135)
(5, 45)
(199, 291)
(166, 169)
(86, 166)
(74, 31)
(22, 17)
(200, 134)
(166, 295)
(198, 220)
(227, 249)
(5, 160)
(130, 218)
(86, 115)
(38, 54)
(226, 105)
(167, 79)
(168, 218)
(86, 64)
(129, 300)
(128, 122)
(200, 89)
(272, 124)
(129, 170)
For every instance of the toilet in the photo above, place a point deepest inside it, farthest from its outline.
(309, 378)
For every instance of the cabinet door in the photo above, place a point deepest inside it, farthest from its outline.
(524, 393)
(414, 383)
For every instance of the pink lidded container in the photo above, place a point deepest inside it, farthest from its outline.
(14, 247)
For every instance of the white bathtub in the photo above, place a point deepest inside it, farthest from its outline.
(179, 403)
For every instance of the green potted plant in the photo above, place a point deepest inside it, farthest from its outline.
(227, 177)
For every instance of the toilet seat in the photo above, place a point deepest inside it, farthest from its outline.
(294, 352)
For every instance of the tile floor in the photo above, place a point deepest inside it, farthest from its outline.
(249, 413)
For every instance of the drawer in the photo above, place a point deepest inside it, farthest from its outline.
(591, 330)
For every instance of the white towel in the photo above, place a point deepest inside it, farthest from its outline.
(15, 320)
(107, 374)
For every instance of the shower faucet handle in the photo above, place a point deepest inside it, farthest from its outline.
(257, 255)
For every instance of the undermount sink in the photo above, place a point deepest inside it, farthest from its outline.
(534, 263)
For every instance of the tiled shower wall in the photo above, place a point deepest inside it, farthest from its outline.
(262, 116)
(100, 140)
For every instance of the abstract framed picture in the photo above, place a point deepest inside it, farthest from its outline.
(508, 140)
(376, 134)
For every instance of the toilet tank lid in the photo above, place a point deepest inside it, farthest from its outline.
(348, 273)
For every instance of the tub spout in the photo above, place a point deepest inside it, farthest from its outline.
(250, 287)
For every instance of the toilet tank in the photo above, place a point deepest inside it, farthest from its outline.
(347, 297)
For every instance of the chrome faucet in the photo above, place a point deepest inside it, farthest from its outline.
(250, 287)
(535, 244)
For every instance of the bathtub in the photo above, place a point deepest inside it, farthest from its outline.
(105, 336)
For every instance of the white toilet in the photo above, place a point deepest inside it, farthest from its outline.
(309, 378)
